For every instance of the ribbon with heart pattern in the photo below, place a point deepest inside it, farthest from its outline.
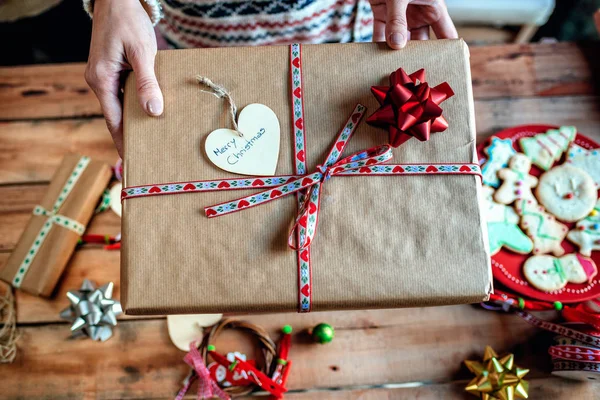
(307, 186)
(54, 218)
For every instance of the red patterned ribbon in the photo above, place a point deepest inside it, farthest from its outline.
(207, 387)
(308, 186)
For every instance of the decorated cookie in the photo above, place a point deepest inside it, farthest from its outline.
(503, 226)
(498, 152)
(545, 231)
(544, 149)
(516, 181)
(586, 234)
(587, 160)
(549, 273)
(567, 192)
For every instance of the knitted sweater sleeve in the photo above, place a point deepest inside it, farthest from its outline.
(152, 7)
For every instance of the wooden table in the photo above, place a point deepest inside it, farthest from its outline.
(47, 111)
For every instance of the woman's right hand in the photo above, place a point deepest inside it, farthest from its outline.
(122, 39)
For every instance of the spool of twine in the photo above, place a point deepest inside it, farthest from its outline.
(266, 344)
(8, 326)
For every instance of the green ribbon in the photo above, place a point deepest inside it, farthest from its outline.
(53, 219)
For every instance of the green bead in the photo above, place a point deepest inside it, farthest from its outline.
(521, 303)
(287, 329)
(558, 305)
(211, 347)
(323, 333)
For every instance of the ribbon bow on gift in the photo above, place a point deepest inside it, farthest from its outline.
(306, 220)
(409, 107)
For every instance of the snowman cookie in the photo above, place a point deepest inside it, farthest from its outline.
(544, 149)
(586, 234)
(549, 273)
(503, 226)
(545, 231)
(498, 152)
(516, 181)
(587, 160)
(567, 192)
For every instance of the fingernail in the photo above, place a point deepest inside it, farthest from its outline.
(155, 106)
(397, 39)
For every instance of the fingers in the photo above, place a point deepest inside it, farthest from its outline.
(149, 94)
(444, 27)
(378, 31)
(396, 31)
(104, 81)
(421, 33)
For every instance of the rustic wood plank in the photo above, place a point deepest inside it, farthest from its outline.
(370, 348)
(541, 388)
(45, 91)
(31, 151)
(38, 92)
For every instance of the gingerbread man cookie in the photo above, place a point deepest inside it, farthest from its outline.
(587, 160)
(586, 234)
(516, 181)
(498, 152)
(549, 273)
(545, 231)
(544, 149)
(503, 226)
(567, 192)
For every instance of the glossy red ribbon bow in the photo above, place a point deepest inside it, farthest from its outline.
(410, 107)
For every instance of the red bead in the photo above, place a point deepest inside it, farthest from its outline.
(568, 196)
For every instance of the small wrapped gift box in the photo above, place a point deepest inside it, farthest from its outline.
(58, 221)
(399, 233)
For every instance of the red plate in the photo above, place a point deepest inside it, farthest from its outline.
(507, 266)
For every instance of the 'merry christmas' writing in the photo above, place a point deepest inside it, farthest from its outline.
(235, 157)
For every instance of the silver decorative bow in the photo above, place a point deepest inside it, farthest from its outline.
(92, 312)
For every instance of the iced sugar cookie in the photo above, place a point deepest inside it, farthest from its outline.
(567, 192)
(586, 234)
(498, 152)
(587, 160)
(516, 181)
(545, 231)
(549, 273)
(544, 149)
(503, 228)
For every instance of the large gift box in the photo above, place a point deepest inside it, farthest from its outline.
(58, 221)
(410, 234)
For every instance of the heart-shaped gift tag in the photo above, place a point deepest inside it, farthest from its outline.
(184, 329)
(256, 152)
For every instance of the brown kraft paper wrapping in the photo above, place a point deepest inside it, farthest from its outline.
(382, 242)
(56, 250)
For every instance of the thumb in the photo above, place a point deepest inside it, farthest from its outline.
(149, 94)
(396, 30)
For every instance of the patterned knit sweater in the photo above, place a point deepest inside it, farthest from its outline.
(212, 23)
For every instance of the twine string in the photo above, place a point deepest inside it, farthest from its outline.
(222, 93)
(8, 327)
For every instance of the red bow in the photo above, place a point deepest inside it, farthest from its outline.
(409, 107)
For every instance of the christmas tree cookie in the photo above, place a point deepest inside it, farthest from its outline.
(544, 149)
(498, 152)
(516, 181)
(545, 231)
(586, 234)
(503, 228)
(549, 273)
(587, 160)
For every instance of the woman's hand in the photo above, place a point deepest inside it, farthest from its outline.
(397, 21)
(122, 39)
